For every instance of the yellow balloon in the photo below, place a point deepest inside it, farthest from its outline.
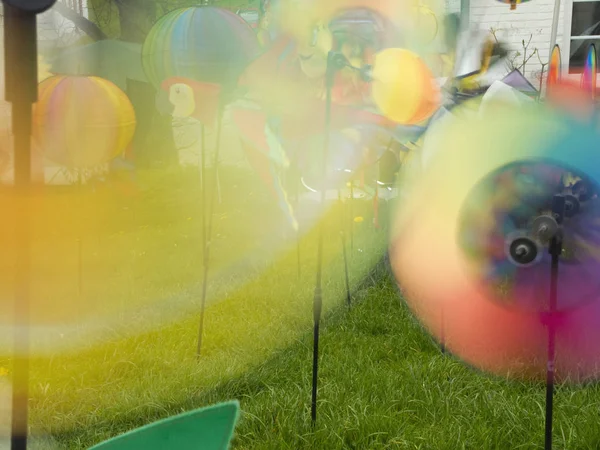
(403, 87)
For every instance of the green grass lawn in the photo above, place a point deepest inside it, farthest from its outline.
(383, 382)
(131, 314)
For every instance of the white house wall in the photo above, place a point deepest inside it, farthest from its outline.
(533, 19)
(452, 6)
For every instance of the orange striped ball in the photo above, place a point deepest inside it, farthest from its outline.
(82, 121)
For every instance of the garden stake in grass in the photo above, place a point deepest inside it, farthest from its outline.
(351, 215)
(204, 242)
(523, 250)
(20, 37)
(79, 240)
(555, 249)
(207, 221)
(335, 61)
(343, 236)
(296, 181)
(442, 333)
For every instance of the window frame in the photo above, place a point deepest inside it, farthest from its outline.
(566, 47)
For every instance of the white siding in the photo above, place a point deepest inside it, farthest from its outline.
(452, 6)
(529, 19)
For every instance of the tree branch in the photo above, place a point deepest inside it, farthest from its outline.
(85, 25)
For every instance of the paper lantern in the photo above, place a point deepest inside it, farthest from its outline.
(554, 70)
(201, 43)
(404, 88)
(568, 95)
(81, 122)
(588, 79)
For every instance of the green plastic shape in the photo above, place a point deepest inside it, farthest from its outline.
(209, 428)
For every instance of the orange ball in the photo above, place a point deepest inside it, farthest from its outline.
(404, 88)
(82, 121)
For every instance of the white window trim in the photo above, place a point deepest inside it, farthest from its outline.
(565, 48)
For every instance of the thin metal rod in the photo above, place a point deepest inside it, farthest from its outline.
(376, 207)
(318, 295)
(80, 241)
(352, 214)
(442, 332)
(207, 223)
(555, 250)
(204, 239)
(216, 178)
(219, 186)
(343, 237)
(20, 56)
(296, 180)
(298, 259)
(22, 158)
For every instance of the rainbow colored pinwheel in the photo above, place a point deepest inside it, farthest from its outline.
(457, 221)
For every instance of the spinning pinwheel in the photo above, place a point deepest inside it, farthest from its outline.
(485, 230)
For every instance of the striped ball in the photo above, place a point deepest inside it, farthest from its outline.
(81, 122)
(201, 43)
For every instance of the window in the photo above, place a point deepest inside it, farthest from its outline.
(582, 28)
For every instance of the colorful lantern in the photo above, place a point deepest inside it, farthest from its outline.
(403, 87)
(569, 95)
(202, 43)
(82, 122)
(554, 69)
(588, 80)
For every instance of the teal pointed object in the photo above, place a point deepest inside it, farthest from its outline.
(110, 59)
(209, 428)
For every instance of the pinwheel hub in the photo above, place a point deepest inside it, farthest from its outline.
(545, 227)
(520, 216)
(338, 60)
(523, 251)
(523, 248)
